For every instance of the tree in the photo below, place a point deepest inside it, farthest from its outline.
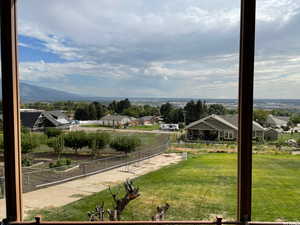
(81, 114)
(57, 143)
(134, 111)
(195, 111)
(217, 109)
(52, 132)
(125, 144)
(1, 143)
(100, 110)
(165, 109)
(260, 116)
(176, 115)
(28, 143)
(98, 141)
(294, 119)
(76, 140)
(124, 104)
(150, 111)
(91, 111)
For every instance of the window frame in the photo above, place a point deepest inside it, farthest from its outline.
(11, 115)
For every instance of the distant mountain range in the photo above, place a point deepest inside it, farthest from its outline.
(33, 93)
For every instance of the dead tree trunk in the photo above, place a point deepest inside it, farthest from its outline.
(120, 204)
(98, 214)
(161, 212)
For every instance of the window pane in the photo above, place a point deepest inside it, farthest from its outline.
(275, 160)
(124, 76)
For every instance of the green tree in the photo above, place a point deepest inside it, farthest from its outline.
(81, 114)
(76, 140)
(134, 111)
(260, 116)
(1, 143)
(125, 144)
(98, 141)
(217, 109)
(28, 143)
(165, 109)
(92, 113)
(176, 115)
(57, 143)
(52, 132)
(100, 110)
(294, 119)
(195, 111)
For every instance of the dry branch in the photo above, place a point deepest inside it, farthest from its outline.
(120, 204)
(97, 214)
(161, 212)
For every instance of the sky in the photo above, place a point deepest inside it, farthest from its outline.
(157, 48)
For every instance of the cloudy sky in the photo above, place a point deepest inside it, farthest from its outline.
(157, 48)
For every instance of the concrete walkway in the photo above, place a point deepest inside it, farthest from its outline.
(71, 191)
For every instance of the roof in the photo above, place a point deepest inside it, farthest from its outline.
(229, 120)
(278, 120)
(147, 118)
(28, 118)
(57, 118)
(115, 117)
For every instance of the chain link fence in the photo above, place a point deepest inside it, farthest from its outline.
(38, 178)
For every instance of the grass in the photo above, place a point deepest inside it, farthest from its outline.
(201, 188)
(145, 127)
(285, 137)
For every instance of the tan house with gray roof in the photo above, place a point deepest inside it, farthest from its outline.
(216, 127)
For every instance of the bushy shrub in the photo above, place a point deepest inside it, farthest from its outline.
(25, 130)
(125, 144)
(26, 162)
(60, 163)
(52, 132)
(98, 141)
(298, 141)
(76, 140)
(1, 143)
(57, 143)
(29, 142)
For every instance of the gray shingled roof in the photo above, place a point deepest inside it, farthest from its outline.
(114, 117)
(229, 120)
(57, 118)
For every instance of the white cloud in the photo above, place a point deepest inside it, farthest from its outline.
(191, 45)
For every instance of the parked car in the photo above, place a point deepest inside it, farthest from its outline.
(171, 127)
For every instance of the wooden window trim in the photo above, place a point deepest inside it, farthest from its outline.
(11, 113)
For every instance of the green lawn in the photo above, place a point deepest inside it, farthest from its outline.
(201, 188)
(285, 137)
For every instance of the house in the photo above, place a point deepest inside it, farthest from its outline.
(277, 121)
(115, 121)
(148, 120)
(215, 127)
(271, 134)
(39, 120)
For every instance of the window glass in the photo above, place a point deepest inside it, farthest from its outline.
(276, 167)
(122, 89)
